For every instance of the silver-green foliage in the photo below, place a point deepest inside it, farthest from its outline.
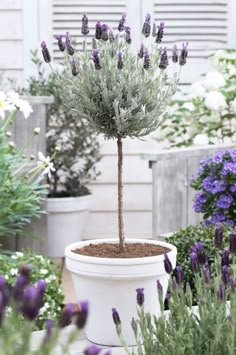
(118, 102)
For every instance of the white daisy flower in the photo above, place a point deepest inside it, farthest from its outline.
(21, 104)
(4, 105)
(46, 163)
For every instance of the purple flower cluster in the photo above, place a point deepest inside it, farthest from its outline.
(215, 183)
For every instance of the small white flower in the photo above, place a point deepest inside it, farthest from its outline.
(46, 163)
(19, 253)
(6, 277)
(50, 278)
(197, 90)
(233, 105)
(214, 80)
(189, 106)
(43, 271)
(14, 271)
(11, 144)
(36, 131)
(215, 101)
(4, 105)
(201, 139)
(21, 104)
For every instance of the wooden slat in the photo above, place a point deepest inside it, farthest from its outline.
(14, 32)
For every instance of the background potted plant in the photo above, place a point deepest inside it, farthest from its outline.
(121, 94)
(69, 198)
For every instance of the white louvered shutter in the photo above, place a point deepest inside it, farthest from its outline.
(202, 23)
(67, 15)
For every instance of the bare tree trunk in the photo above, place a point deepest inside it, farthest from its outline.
(120, 195)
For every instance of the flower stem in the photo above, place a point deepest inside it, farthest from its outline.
(9, 120)
(120, 195)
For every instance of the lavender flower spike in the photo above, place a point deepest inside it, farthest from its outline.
(179, 275)
(167, 264)
(70, 49)
(194, 262)
(175, 54)
(30, 303)
(200, 253)
(45, 52)
(218, 235)
(127, 35)
(160, 32)
(96, 59)
(92, 350)
(159, 288)
(163, 60)
(146, 30)
(60, 43)
(115, 316)
(141, 51)
(98, 31)
(183, 54)
(221, 292)
(82, 315)
(146, 63)
(140, 296)
(66, 315)
(225, 257)
(232, 242)
(104, 34)
(84, 27)
(121, 25)
(225, 275)
(120, 62)
(73, 63)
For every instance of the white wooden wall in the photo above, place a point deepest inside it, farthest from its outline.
(206, 24)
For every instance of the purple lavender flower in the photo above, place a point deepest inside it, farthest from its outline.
(46, 54)
(160, 32)
(194, 261)
(201, 253)
(167, 264)
(140, 296)
(128, 35)
(146, 30)
(30, 303)
(218, 235)
(98, 30)
(69, 48)
(60, 43)
(41, 287)
(225, 257)
(92, 350)
(66, 315)
(159, 288)
(224, 201)
(232, 242)
(146, 62)
(120, 62)
(122, 23)
(206, 273)
(175, 56)
(96, 59)
(179, 275)
(163, 60)
(225, 274)
(48, 326)
(115, 316)
(183, 54)
(141, 51)
(82, 315)
(18, 288)
(104, 35)
(221, 292)
(74, 69)
(111, 37)
(84, 27)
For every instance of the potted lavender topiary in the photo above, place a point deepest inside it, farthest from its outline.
(121, 94)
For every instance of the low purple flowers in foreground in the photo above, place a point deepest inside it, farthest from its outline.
(216, 188)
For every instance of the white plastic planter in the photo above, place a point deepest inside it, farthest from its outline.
(111, 283)
(66, 222)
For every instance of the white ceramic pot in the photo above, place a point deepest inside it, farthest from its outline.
(111, 283)
(66, 221)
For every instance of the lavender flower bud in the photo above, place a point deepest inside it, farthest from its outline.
(82, 315)
(183, 54)
(127, 35)
(194, 262)
(108, 352)
(154, 30)
(121, 25)
(60, 43)
(115, 316)
(111, 37)
(221, 292)
(159, 288)
(92, 350)
(18, 288)
(146, 26)
(104, 35)
(141, 51)
(225, 257)
(25, 270)
(66, 315)
(218, 235)
(179, 275)
(84, 27)
(69, 48)
(175, 54)
(167, 264)
(164, 60)
(41, 287)
(48, 327)
(146, 63)
(225, 274)
(120, 62)
(201, 253)
(168, 296)
(160, 32)
(206, 273)
(232, 242)
(98, 31)
(73, 63)
(45, 52)
(96, 59)
(30, 305)
(140, 296)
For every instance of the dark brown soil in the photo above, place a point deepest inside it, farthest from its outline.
(133, 250)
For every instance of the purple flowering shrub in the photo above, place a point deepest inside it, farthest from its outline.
(209, 327)
(215, 184)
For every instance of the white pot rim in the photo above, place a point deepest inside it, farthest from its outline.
(68, 199)
(118, 261)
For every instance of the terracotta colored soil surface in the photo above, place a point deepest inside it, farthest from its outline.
(133, 250)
